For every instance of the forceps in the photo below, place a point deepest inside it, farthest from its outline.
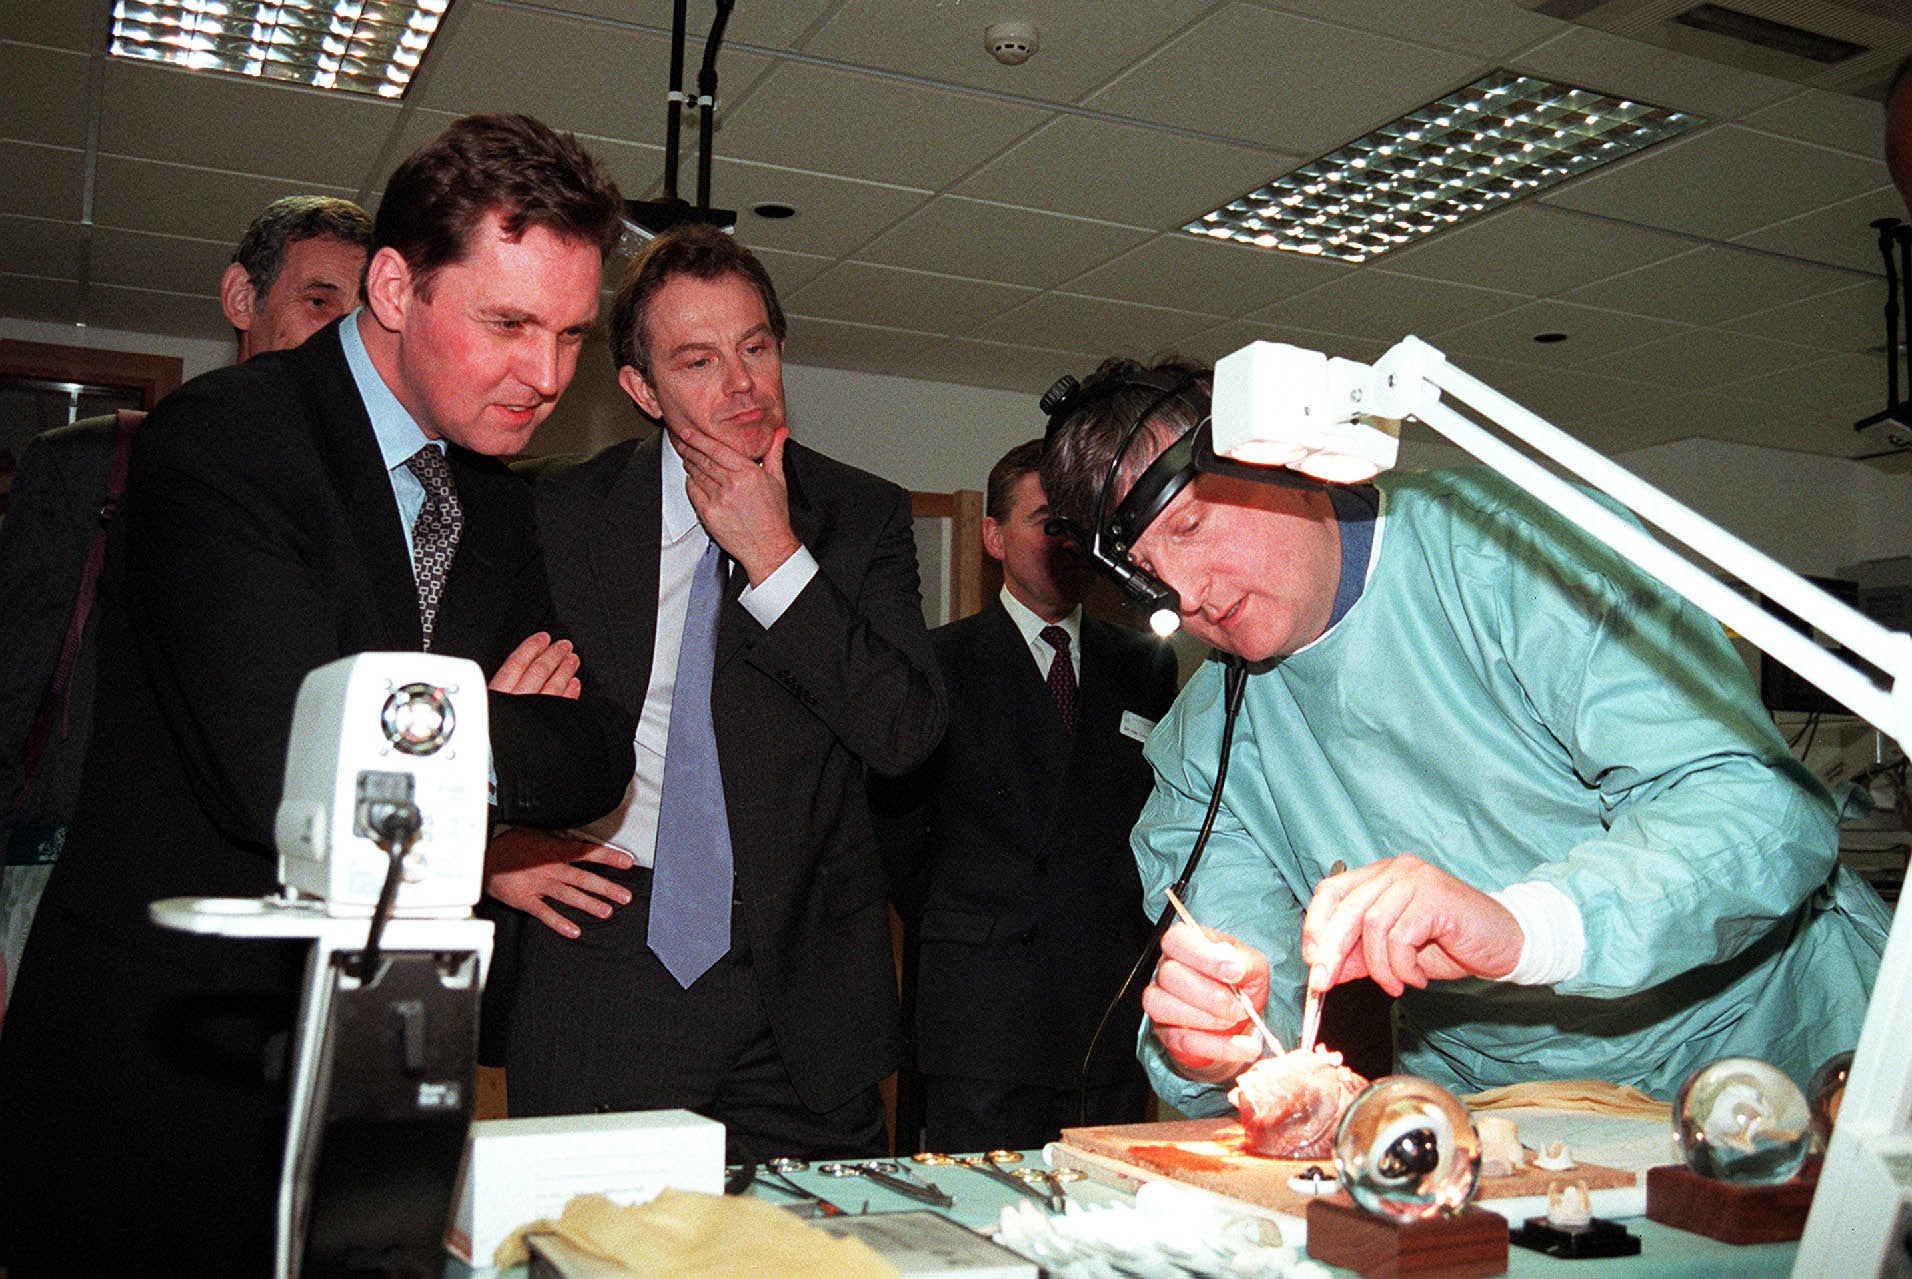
(774, 1175)
(887, 1173)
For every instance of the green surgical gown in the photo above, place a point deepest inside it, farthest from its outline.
(1510, 702)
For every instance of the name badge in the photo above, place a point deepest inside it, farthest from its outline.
(1135, 726)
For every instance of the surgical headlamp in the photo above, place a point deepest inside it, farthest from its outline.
(1108, 543)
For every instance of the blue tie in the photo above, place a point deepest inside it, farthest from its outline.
(691, 885)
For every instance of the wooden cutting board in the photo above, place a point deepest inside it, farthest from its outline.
(1208, 1153)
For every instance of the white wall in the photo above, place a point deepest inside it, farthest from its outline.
(195, 354)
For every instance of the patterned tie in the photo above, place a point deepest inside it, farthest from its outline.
(1062, 682)
(691, 885)
(434, 533)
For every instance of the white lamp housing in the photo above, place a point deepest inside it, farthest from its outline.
(1280, 405)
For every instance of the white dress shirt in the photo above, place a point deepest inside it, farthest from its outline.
(632, 825)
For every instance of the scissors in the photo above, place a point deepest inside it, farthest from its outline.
(887, 1173)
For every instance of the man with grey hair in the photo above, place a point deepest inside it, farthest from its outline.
(296, 270)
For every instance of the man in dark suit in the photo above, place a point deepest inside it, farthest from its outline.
(785, 1021)
(1009, 851)
(272, 523)
(296, 270)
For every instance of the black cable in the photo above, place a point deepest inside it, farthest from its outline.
(707, 101)
(396, 833)
(1235, 685)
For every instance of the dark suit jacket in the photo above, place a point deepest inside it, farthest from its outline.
(260, 540)
(1010, 856)
(844, 679)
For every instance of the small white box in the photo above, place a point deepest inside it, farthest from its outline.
(520, 1170)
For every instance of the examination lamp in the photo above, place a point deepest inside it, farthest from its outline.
(1329, 416)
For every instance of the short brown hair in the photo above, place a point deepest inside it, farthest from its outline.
(1024, 459)
(696, 249)
(1083, 446)
(528, 173)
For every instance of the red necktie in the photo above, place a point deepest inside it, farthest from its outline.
(1062, 681)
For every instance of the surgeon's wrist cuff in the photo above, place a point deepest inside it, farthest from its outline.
(1554, 941)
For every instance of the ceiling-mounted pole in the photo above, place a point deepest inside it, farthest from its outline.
(707, 101)
(674, 99)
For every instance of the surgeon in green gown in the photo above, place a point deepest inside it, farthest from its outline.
(1578, 848)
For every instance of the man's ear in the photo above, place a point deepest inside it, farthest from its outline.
(640, 392)
(992, 538)
(235, 297)
(388, 288)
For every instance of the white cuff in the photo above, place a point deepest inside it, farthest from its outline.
(780, 590)
(1554, 941)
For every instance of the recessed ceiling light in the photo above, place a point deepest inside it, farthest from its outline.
(359, 46)
(1547, 339)
(1498, 139)
(773, 211)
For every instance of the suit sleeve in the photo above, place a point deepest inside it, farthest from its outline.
(852, 649)
(234, 558)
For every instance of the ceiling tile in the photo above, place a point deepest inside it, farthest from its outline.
(39, 246)
(1232, 335)
(863, 293)
(1530, 248)
(37, 298)
(141, 195)
(1837, 379)
(275, 130)
(1214, 277)
(150, 311)
(1137, 177)
(614, 82)
(1840, 234)
(1066, 322)
(1275, 80)
(1851, 320)
(834, 215)
(1829, 119)
(1645, 72)
(1718, 183)
(1490, 29)
(871, 127)
(40, 104)
(945, 41)
(788, 271)
(1590, 333)
(1378, 304)
(995, 241)
(1701, 359)
(773, 26)
(965, 361)
(1710, 285)
(43, 182)
(80, 28)
(169, 264)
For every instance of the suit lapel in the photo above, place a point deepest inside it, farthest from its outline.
(358, 474)
(624, 564)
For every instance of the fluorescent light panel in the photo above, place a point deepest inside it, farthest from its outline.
(359, 46)
(1498, 139)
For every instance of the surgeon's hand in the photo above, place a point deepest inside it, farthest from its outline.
(529, 869)
(1192, 1003)
(1405, 923)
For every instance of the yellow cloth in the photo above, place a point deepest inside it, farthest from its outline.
(685, 1233)
(1593, 1096)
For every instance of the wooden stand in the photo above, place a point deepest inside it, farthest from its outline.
(1471, 1242)
(1679, 1197)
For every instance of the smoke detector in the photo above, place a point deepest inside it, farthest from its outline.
(1011, 43)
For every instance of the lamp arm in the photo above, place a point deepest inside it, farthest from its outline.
(1890, 651)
